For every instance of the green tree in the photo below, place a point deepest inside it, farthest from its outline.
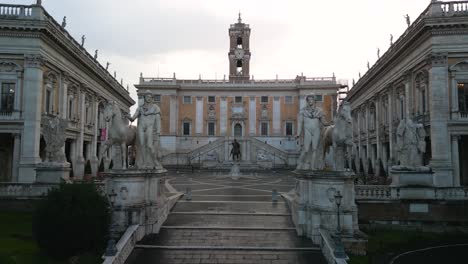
(73, 219)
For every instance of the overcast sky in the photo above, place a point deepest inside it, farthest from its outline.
(190, 37)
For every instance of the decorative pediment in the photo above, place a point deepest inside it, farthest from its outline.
(459, 67)
(9, 66)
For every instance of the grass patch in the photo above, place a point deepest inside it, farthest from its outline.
(385, 243)
(17, 245)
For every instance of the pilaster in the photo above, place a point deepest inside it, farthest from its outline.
(173, 115)
(276, 116)
(223, 116)
(439, 107)
(253, 116)
(33, 79)
(199, 116)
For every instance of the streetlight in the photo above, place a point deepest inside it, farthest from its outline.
(111, 249)
(339, 248)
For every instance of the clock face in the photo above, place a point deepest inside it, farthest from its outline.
(239, 53)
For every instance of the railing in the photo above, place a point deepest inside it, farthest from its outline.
(24, 190)
(10, 115)
(310, 81)
(464, 115)
(453, 8)
(386, 192)
(15, 10)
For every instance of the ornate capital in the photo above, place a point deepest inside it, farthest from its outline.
(34, 61)
(438, 59)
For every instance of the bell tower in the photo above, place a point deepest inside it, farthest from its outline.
(239, 51)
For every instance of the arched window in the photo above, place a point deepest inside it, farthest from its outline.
(238, 130)
(239, 42)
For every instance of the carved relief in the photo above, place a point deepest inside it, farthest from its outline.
(8, 66)
(211, 112)
(53, 129)
(438, 59)
(34, 61)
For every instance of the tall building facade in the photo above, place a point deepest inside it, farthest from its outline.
(45, 72)
(200, 118)
(423, 76)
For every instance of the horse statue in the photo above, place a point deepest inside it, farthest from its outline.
(339, 136)
(235, 151)
(119, 132)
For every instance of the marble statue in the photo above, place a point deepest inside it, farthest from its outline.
(83, 38)
(119, 133)
(54, 136)
(391, 39)
(378, 53)
(96, 53)
(408, 20)
(64, 22)
(411, 144)
(149, 122)
(340, 137)
(107, 66)
(311, 122)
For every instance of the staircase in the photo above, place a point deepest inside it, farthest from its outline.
(231, 224)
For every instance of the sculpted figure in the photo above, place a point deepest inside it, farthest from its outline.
(149, 122)
(235, 151)
(410, 144)
(311, 122)
(54, 136)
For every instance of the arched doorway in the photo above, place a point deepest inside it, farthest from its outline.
(238, 130)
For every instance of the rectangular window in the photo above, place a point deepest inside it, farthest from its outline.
(318, 98)
(238, 99)
(186, 127)
(264, 99)
(157, 98)
(211, 99)
(187, 99)
(7, 97)
(463, 97)
(264, 128)
(47, 103)
(289, 128)
(288, 99)
(70, 108)
(211, 129)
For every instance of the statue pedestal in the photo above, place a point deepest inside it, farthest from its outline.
(139, 198)
(418, 176)
(313, 204)
(53, 172)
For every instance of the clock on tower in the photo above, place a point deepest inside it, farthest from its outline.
(239, 51)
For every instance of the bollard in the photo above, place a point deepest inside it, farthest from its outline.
(274, 195)
(188, 194)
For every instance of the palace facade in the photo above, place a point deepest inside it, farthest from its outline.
(200, 118)
(44, 71)
(423, 76)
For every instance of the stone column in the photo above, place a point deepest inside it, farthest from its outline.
(18, 92)
(301, 105)
(252, 116)
(32, 110)
(173, 115)
(367, 134)
(276, 116)
(63, 102)
(439, 107)
(16, 156)
(377, 133)
(456, 161)
(78, 167)
(390, 122)
(199, 116)
(454, 92)
(408, 95)
(94, 155)
(223, 116)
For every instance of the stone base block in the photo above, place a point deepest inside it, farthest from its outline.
(265, 164)
(53, 173)
(411, 178)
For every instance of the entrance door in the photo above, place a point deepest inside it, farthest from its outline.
(238, 130)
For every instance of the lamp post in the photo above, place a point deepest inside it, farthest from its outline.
(111, 249)
(339, 248)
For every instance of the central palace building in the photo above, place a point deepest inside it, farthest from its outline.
(200, 118)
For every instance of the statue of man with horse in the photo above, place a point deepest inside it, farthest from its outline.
(235, 151)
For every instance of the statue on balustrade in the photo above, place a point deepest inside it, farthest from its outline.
(311, 123)
(53, 131)
(149, 130)
(411, 145)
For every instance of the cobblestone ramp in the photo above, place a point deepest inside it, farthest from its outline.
(228, 222)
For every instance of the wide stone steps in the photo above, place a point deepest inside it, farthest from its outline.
(228, 221)
(239, 207)
(229, 238)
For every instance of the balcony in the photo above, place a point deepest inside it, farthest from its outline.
(10, 115)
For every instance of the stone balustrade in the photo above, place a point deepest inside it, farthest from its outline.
(10, 115)
(453, 8)
(19, 11)
(386, 192)
(302, 80)
(24, 190)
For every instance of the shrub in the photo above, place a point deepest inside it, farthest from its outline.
(71, 220)
(87, 169)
